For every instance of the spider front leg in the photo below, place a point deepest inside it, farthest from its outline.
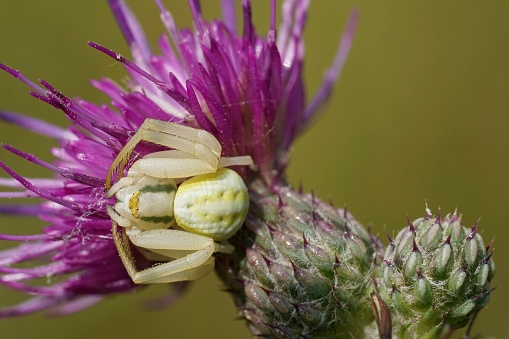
(178, 164)
(196, 142)
(172, 164)
(189, 266)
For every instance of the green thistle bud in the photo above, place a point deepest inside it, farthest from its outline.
(301, 268)
(436, 274)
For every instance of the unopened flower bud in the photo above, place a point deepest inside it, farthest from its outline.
(442, 279)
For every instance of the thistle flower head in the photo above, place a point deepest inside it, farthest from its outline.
(244, 89)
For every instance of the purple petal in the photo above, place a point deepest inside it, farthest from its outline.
(27, 252)
(32, 305)
(18, 75)
(229, 15)
(34, 125)
(333, 73)
(76, 305)
(22, 210)
(42, 193)
(197, 16)
(130, 27)
(34, 237)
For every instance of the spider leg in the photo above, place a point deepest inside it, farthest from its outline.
(190, 274)
(122, 245)
(192, 134)
(118, 218)
(189, 267)
(162, 255)
(198, 150)
(124, 182)
(169, 239)
(152, 275)
(197, 142)
(244, 160)
(172, 164)
(224, 247)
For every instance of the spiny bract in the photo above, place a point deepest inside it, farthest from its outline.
(436, 274)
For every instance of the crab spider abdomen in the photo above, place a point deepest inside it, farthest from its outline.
(214, 205)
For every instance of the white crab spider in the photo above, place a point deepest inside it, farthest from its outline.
(181, 224)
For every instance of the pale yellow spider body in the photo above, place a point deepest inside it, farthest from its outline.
(174, 205)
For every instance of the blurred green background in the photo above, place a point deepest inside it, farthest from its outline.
(421, 113)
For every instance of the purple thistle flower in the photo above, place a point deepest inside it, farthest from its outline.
(244, 89)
